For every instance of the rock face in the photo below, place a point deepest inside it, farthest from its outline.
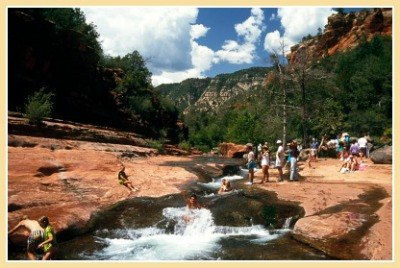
(344, 32)
(382, 155)
(54, 128)
(231, 150)
(221, 89)
(209, 94)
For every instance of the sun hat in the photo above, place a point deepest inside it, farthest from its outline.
(278, 141)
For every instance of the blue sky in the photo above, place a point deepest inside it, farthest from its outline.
(188, 42)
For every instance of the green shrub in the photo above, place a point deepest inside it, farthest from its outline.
(38, 105)
(156, 144)
(184, 146)
(203, 148)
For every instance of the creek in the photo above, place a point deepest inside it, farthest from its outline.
(247, 224)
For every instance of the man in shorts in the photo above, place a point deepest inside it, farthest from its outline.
(34, 233)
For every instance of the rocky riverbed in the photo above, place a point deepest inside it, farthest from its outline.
(71, 181)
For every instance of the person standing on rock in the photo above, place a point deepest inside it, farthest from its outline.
(294, 153)
(123, 179)
(362, 143)
(280, 157)
(265, 160)
(251, 163)
(49, 245)
(34, 233)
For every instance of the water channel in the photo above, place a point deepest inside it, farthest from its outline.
(248, 224)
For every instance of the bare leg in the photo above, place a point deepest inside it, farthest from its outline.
(251, 175)
(280, 174)
(31, 255)
(264, 174)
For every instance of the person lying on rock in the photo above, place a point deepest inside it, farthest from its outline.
(123, 179)
(49, 245)
(33, 232)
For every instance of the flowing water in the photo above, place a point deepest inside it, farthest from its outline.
(238, 226)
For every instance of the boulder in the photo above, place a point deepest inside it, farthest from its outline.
(382, 155)
(333, 234)
(231, 150)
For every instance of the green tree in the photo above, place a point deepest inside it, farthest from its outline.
(70, 19)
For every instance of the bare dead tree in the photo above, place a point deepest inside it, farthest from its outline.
(276, 57)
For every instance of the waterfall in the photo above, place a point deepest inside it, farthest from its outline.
(195, 239)
(286, 225)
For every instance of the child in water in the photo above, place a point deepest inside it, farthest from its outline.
(191, 203)
(225, 187)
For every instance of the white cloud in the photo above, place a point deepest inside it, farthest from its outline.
(250, 31)
(198, 30)
(201, 58)
(166, 37)
(166, 77)
(301, 21)
(235, 53)
(273, 17)
(251, 28)
(296, 23)
(153, 31)
(273, 41)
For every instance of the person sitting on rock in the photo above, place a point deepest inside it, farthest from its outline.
(123, 179)
(350, 164)
(353, 165)
(34, 233)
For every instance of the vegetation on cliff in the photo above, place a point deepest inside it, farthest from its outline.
(349, 91)
(54, 49)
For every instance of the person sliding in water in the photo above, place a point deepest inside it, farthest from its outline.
(225, 187)
(191, 203)
(123, 179)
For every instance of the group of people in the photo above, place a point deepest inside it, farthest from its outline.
(265, 159)
(40, 237)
